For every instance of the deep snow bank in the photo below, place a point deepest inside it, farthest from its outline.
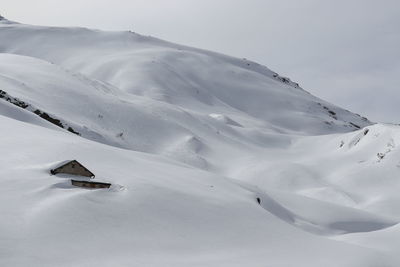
(218, 133)
(167, 214)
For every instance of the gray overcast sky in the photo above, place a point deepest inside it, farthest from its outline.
(345, 51)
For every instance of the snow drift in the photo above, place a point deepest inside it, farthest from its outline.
(191, 141)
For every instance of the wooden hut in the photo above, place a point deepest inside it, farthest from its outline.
(72, 167)
(90, 184)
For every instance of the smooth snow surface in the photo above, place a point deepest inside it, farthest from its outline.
(191, 140)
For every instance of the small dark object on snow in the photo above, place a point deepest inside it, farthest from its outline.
(355, 125)
(73, 167)
(89, 184)
(380, 155)
(259, 200)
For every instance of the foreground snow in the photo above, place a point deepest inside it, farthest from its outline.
(158, 212)
(190, 140)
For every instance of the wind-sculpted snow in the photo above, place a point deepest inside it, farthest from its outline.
(190, 78)
(166, 213)
(213, 160)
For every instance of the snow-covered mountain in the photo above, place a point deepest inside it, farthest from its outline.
(213, 160)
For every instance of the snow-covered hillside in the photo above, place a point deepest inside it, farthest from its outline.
(213, 160)
(185, 77)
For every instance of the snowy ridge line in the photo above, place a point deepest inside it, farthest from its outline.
(334, 116)
(21, 104)
(182, 76)
(286, 80)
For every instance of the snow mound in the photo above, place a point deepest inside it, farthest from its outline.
(225, 119)
(213, 160)
(322, 217)
(166, 212)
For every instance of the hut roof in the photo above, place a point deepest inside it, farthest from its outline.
(63, 164)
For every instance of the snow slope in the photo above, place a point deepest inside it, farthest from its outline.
(191, 140)
(158, 213)
(186, 77)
